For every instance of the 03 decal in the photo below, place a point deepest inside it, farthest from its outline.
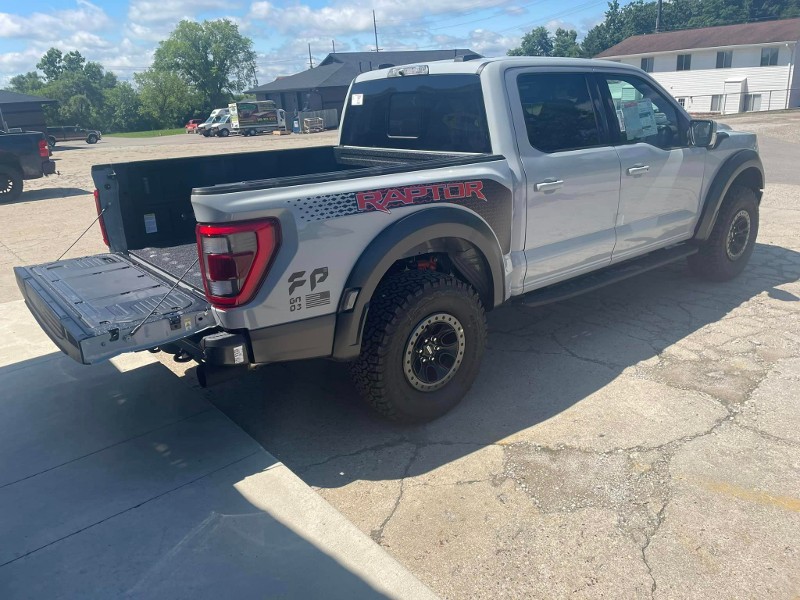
(314, 299)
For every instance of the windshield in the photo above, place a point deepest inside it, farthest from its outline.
(442, 113)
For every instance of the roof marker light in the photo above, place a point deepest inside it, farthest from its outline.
(409, 70)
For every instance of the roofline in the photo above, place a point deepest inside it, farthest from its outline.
(42, 101)
(689, 50)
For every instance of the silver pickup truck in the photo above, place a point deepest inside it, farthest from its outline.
(455, 186)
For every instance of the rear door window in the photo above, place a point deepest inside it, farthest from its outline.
(559, 111)
(442, 113)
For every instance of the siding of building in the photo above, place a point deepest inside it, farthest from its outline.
(698, 85)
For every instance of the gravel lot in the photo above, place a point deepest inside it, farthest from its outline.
(640, 441)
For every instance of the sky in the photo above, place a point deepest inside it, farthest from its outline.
(122, 34)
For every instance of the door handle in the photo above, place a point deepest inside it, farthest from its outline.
(637, 170)
(548, 186)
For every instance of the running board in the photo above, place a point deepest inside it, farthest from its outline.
(613, 274)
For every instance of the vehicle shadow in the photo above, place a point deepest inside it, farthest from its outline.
(49, 194)
(130, 481)
(539, 362)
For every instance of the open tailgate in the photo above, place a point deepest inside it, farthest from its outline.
(89, 306)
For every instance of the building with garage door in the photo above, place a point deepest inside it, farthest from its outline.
(23, 111)
(729, 69)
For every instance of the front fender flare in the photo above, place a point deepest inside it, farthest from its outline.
(734, 166)
(400, 240)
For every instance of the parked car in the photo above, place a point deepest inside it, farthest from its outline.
(22, 156)
(455, 186)
(69, 133)
(191, 126)
(215, 117)
(222, 128)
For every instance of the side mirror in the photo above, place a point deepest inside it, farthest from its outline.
(703, 133)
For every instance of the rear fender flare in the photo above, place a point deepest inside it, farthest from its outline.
(736, 166)
(425, 230)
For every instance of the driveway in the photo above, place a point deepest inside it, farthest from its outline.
(639, 441)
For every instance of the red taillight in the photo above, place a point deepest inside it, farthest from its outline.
(234, 259)
(44, 149)
(100, 220)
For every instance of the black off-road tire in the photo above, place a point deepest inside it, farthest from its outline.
(719, 258)
(10, 183)
(91, 139)
(51, 141)
(223, 133)
(402, 304)
(206, 133)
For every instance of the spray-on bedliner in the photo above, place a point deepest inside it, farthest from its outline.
(174, 260)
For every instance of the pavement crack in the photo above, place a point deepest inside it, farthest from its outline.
(374, 448)
(377, 534)
(660, 516)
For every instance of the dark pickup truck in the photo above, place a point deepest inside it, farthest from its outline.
(22, 156)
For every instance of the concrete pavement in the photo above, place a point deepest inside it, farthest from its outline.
(121, 479)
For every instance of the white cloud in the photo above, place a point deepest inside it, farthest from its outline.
(353, 16)
(41, 26)
(171, 11)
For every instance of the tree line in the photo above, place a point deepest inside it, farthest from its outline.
(199, 67)
(639, 17)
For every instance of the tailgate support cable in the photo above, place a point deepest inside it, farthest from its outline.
(97, 218)
(164, 297)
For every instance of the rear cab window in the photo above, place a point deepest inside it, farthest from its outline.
(441, 113)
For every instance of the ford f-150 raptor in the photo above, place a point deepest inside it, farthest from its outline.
(455, 186)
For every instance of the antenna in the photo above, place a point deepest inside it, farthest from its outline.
(310, 60)
(333, 43)
(375, 28)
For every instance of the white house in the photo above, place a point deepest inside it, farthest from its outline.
(729, 69)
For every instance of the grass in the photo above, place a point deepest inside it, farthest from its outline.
(147, 134)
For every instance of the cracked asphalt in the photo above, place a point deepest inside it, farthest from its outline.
(642, 441)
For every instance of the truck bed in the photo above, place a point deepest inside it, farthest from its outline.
(148, 210)
(174, 260)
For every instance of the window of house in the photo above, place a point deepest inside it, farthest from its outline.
(769, 57)
(684, 62)
(682, 102)
(751, 102)
(716, 103)
(645, 114)
(724, 59)
(647, 64)
(558, 110)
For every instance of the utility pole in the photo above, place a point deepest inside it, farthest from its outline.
(375, 28)
(658, 16)
(310, 60)
(333, 43)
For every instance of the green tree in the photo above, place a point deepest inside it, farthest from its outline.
(121, 109)
(52, 64)
(29, 83)
(165, 97)
(212, 56)
(565, 43)
(537, 42)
